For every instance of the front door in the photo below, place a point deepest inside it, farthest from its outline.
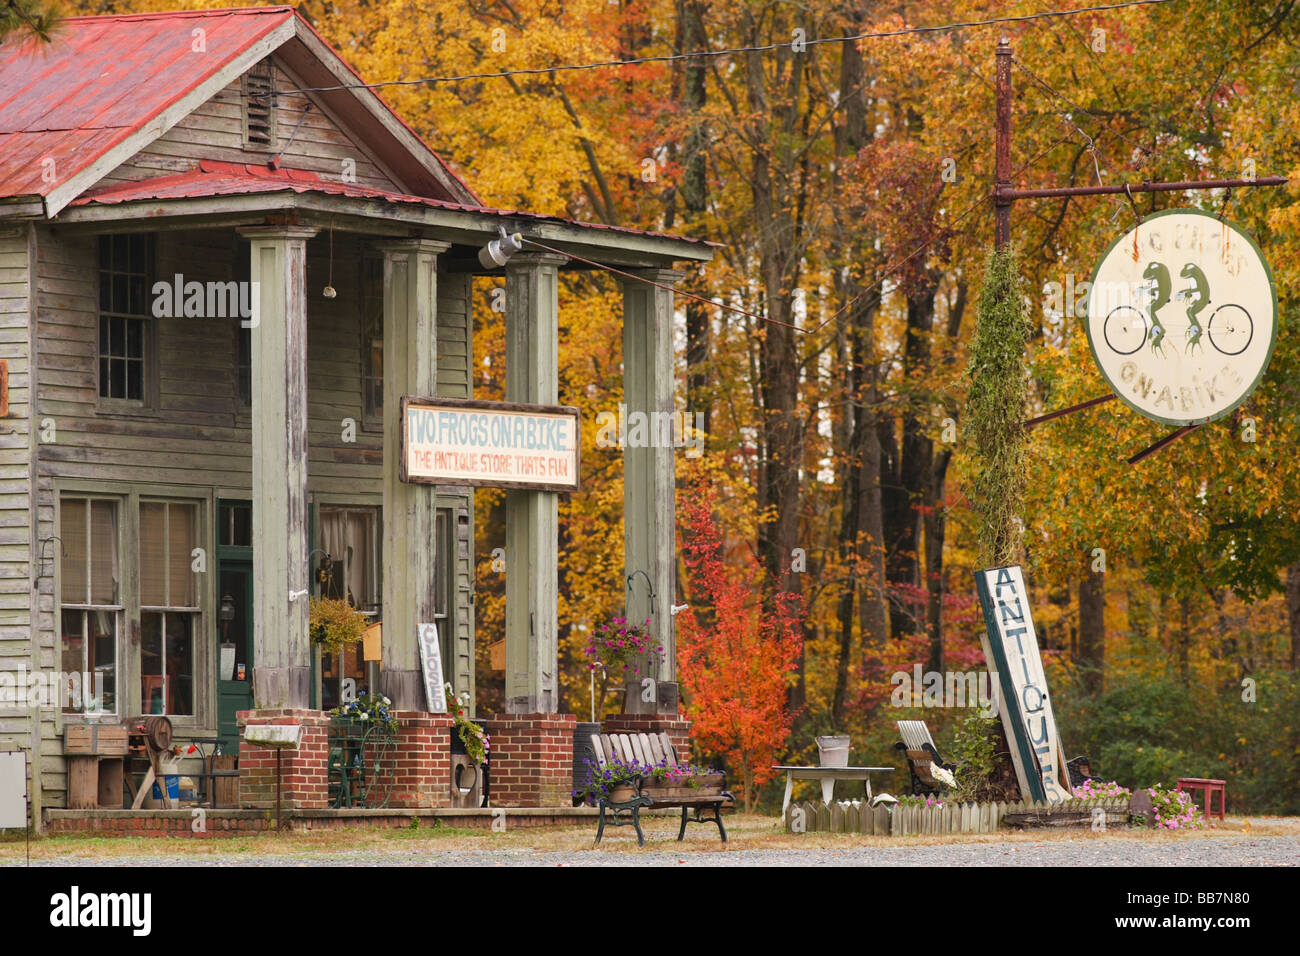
(235, 647)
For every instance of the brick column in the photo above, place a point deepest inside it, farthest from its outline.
(304, 770)
(531, 764)
(423, 755)
(678, 729)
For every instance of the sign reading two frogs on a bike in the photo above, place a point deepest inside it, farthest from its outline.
(1182, 315)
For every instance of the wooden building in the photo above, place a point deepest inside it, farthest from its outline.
(193, 422)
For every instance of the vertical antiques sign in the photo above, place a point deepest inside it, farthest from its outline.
(449, 441)
(1011, 649)
(1182, 316)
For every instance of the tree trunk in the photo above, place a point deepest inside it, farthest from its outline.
(1092, 631)
(1293, 612)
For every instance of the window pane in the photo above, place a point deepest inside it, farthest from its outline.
(121, 293)
(153, 551)
(349, 537)
(243, 526)
(182, 534)
(73, 657)
(180, 663)
(134, 338)
(72, 529)
(104, 574)
(117, 379)
(102, 664)
(135, 380)
(151, 662)
(443, 559)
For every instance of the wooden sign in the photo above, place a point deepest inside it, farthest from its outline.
(1182, 316)
(448, 441)
(372, 642)
(1011, 649)
(431, 664)
(13, 790)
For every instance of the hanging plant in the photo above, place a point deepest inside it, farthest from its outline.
(334, 623)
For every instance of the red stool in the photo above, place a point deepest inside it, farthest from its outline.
(1208, 788)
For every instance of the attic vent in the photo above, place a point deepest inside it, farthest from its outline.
(259, 106)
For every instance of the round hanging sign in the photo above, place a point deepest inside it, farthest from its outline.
(1182, 315)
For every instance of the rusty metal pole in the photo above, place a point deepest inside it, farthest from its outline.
(1002, 147)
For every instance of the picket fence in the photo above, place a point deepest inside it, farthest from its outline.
(856, 816)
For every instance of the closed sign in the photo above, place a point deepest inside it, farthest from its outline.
(1182, 316)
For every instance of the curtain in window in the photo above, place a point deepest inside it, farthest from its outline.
(182, 533)
(72, 530)
(348, 536)
(153, 551)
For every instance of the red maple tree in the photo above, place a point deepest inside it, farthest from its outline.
(736, 655)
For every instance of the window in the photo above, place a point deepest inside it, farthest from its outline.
(90, 599)
(235, 523)
(169, 606)
(350, 536)
(125, 263)
(372, 339)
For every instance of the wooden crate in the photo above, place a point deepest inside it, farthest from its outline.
(108, 740)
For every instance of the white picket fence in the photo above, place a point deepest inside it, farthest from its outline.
(856, 816)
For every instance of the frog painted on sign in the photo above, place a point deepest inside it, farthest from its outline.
(1157, 275)
(1199, 297)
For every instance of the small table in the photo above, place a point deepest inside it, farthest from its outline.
(828, 776)
(1208, 788)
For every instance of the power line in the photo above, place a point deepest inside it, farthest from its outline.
(796, 45)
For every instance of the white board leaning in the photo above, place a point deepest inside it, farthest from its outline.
(431, 665)
(1011, 649)
(1182, 316)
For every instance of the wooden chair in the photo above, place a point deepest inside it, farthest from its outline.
(652, 750)
(921, 753)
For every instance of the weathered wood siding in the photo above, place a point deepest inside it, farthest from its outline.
(197, 438)
(23, 645)
(216, 131)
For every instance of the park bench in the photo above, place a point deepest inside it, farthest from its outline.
(652, 750)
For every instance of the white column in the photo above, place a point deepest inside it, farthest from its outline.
(532, 543)
(649, 472)
(281, 647)
(410, 369)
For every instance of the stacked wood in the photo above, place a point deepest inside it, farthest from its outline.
(856, 816)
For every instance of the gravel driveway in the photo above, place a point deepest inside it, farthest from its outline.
(1221, 851)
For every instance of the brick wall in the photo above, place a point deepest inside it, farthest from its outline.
(531, 762)
(304, 770)
(423, 777)
(678, 729)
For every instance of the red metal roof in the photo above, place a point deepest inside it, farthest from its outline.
(104, 78)
(213, 178)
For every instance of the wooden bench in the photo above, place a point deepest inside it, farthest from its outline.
(652, 750)
(1208, 788)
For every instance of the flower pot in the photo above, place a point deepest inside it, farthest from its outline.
(621, 793)
(833, 751)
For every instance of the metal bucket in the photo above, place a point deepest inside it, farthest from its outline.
(833, 751)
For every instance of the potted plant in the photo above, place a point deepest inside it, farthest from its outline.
(618, 781)
(333, 624)
(617, 649)
(373, 710)
(474, 740)
(665, 780)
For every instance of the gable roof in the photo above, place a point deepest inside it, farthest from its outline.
(106, 87)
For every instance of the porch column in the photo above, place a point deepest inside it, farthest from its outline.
(532, 543)
(281, 649)
(410, 368)
(649, 474)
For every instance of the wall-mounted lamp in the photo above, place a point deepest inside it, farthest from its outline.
(497, 252)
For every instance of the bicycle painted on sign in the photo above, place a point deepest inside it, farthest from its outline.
(1126, 329)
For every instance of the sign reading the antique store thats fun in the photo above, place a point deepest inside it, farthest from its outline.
(498, 444)
(1011, 649)
(1182, 315)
